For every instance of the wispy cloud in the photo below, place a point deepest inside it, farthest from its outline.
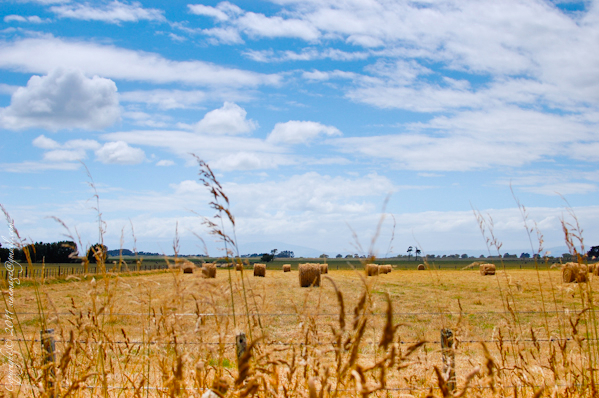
(113, 12)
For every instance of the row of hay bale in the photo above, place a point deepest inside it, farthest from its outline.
(578, 273)
(376, 269)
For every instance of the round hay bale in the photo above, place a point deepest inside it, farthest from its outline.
(591, 268)
(286, 267)
(260, 270)
(209, 270)
(487, 269)
(324, 268)
(421, 267)
(309, 275)
(568, 275)
(382, 269)
(372, 269)
(574, 272)
(389, 268)
(596, 270)
(238, 267)
(188, 267)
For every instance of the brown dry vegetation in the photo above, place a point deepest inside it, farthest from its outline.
(177, 332)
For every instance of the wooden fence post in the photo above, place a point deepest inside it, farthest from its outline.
(448, 359)
(241, 343)
(49, 360)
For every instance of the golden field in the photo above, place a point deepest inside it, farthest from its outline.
(517, 333)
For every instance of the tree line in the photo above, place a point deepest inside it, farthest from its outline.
(56, 252)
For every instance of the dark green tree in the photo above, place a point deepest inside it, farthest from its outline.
(593, 253)
(97, 253)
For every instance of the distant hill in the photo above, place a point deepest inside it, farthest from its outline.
(116, 253)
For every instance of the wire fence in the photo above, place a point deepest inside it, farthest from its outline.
(323, 314)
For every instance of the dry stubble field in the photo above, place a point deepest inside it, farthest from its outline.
(171, 334)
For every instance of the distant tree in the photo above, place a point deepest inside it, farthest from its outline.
(482, 256)
(356, 255)
(338, 256)
(267, 257)
(417, 253)
(464, 255)
(97, 252)
(349, 256)
(323, 256)
(524, 255)
(410, 252)
(4, 253)
(593, 253)
(286, 254)
(567, 257)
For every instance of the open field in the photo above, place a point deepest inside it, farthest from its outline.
(165, 333)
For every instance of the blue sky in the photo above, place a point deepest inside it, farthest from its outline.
(310, 112)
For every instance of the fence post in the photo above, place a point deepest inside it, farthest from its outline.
(448, 359)
(49, 359)
(241, 343)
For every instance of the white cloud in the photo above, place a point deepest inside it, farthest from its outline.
(64, 155)
(34, 167)
(259, 25)
(165, 163)
(113, 12)
(200, 9)
(64, 99)
(20, 18)
(85, 145)
(243, 160)
(8, 89)
(180, 99)
(307, 54)
(222, 12)
(300, 132)
(316, 75)
(119, 153)
(564, 189)
(45, 143)
(474, 140)
(41, 55)
(224, 35)
(218, 150)
(230, 119)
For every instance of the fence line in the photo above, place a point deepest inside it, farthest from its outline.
(210, 314)
(469, 387)
(65, 271)
(278, 343)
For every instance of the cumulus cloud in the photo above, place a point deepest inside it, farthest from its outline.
(165, 163)
(119, 153)
(300, 132)
(113, 12)
(230, 119)
(64, 99)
